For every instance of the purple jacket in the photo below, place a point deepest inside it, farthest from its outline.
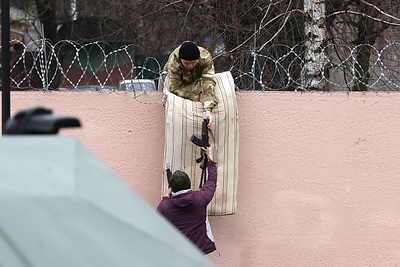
(188, 211)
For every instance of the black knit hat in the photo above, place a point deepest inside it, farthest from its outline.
(179, 181)
(189, 51)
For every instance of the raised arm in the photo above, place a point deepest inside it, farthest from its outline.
(209, 82)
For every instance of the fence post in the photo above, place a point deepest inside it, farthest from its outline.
(5, 61)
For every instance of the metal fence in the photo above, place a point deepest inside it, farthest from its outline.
(68, 65)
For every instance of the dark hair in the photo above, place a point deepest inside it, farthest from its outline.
(179, 181)
(189, 51)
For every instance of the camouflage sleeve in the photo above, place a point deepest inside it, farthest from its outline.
(176, 87)
(209, 84)
(175, 83)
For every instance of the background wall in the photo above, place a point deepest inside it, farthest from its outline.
(318, 175)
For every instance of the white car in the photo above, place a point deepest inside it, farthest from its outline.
(137, 85)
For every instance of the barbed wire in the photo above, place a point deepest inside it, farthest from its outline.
(97, 66)
(281, 68)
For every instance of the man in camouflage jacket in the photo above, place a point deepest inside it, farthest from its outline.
(191, 72)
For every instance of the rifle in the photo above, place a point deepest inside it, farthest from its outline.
(203, 142)
(168, 171)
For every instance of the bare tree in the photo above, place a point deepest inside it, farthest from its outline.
(46, 10)
(315, 32)
(361, 24)
(277, 43)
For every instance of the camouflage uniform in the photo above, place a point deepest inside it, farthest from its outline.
(190, 83)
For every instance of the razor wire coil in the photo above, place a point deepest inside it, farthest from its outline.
(97, 66)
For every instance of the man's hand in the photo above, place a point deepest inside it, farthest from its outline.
(209, 152)
(210, 118)
(168, 192)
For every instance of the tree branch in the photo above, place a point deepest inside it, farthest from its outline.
(363, 15)
(380, 10)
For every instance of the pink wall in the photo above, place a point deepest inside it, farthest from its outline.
(318, 176)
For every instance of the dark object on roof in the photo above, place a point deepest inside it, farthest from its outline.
(38, 121)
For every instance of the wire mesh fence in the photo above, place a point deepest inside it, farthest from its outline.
(68, 65)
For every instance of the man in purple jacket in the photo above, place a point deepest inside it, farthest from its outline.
(187, 209)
